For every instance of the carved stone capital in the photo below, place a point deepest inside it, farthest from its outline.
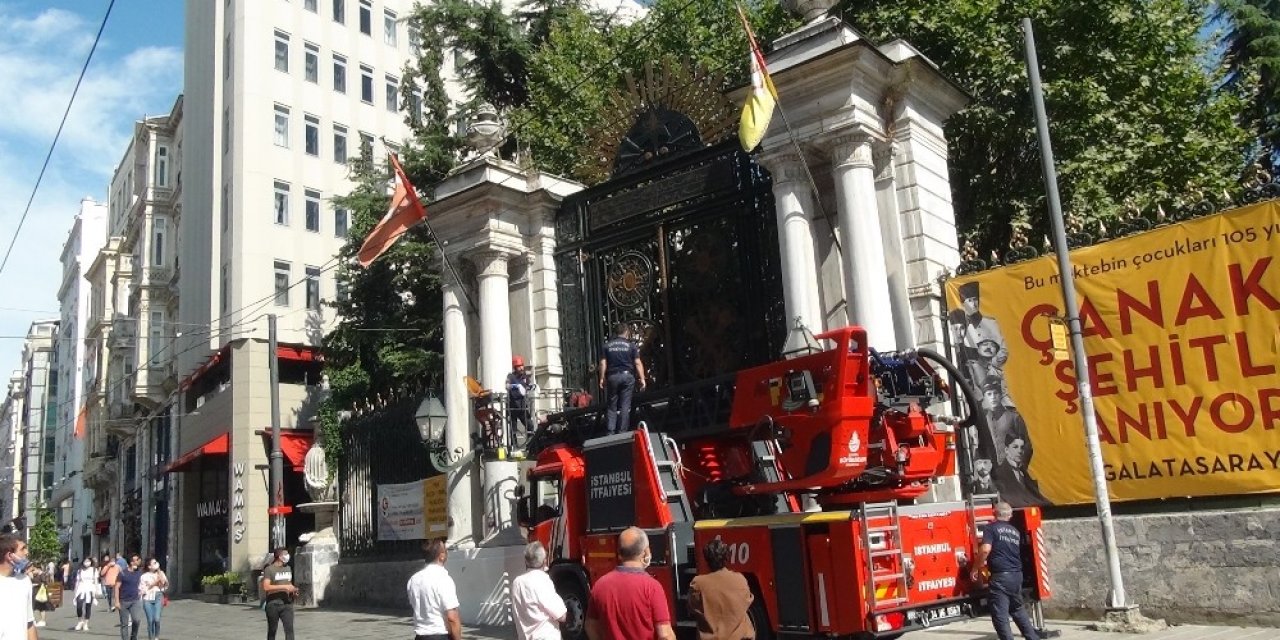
(490, 263)
(785, 167)
(883, 155)
(852, 150)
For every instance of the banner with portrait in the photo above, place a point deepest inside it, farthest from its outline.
(1181, 327)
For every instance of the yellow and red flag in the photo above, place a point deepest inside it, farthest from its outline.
(758, 109)
(406, 210)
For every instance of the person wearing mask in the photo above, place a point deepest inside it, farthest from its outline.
(620, 369)
(108, 573)
(277, 584)
(128, 596)
(627, 603)
(434, 597)
(1001, 552)
(152, 586)
(536, 607)
(86, 593)
(720, 600)
(17, 617)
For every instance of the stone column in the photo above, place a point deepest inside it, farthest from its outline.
(457, 405)
(793, 201)
(891, 233)
(866, 294)
(495, 319)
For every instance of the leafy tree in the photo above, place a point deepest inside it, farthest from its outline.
(1253, 49)
(1136, 117)
(42, 543)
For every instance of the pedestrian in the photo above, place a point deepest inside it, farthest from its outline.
(121, 562)
(620, 369)
(64, 574)
(277, 584)
(41, 598)
(537, 608)
(152, 586)
(520, 385)
(128, 596)
(86, 593)
(721, 599)
(627, 603)
(109, 573)
(434, 597)
(1001, 552)
(17, 616)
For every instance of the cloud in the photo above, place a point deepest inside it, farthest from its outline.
(41, 53)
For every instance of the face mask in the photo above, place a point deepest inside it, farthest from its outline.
(154, 566)
(284, 559)
(87, 564)
(19, 564)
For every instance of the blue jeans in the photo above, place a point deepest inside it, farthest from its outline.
(621, 386)
(1006, 601)
(130, 619)
(153, 608)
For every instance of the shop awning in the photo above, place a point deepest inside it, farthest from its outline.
(293, 444)
(218, 446)
(298, 353)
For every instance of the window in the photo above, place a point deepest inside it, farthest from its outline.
(312, 209)
(162, 167)
(282, 126)
(389, 27)
(310, 5)
(159, 228)
(393, 94)
(225, 292)
(226, 129)
(228, 55)
(313, 288)
(339, 144)
(282, 202)
(282, 283)
(366, 84)
(343, 291)
(226, 207)
(282, 51)
(340, 11)
(341, 222)
(339, 73)
(366, 17)
(311, 62)
(366, 145)
(312, 131)
(155, 341)
(415, 38)
(415, 107)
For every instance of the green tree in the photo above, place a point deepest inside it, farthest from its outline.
(42, 543)
(1252, 53)
(1137, 118)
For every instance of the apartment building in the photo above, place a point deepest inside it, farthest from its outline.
(39, 423)
(69, 500)
(280, 95)
(11, 412)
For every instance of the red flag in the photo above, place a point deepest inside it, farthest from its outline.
(405, 211)
(81, 418)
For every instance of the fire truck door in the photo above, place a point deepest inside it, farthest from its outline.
(791, 584)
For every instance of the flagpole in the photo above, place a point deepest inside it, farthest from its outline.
(449, 264)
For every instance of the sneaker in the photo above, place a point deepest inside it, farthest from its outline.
(39, 623)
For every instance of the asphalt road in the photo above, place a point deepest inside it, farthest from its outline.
(194, 620)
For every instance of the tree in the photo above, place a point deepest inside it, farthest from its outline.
(1136, 118)
(1252, 53)
(42, 543)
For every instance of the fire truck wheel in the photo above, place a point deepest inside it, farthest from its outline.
(760, 620)
(575, 601)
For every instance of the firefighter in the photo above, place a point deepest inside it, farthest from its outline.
(1001, 551)
(620, 370)
(519, 386)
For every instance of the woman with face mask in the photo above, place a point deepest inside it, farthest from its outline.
(86, 593)
(153, 585)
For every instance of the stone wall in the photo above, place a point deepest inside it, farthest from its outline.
(1200, 566)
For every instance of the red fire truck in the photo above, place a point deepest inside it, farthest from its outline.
(813, 480)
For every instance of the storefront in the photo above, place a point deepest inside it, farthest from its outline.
(206, 510)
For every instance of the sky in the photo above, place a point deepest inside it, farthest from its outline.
(136, 72)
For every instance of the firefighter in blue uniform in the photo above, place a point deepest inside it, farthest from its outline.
(620, 370)
(1001, 552)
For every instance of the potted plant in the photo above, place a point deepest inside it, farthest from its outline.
(213, 584)
(233, 582)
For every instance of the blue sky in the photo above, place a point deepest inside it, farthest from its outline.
(136, 71)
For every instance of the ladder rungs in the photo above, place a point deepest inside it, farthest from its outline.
(886, 577)
(889, 601)
(886, 552)
(881, 529)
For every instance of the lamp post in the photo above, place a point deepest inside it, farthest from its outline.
(432, 419)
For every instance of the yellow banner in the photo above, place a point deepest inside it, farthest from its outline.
(435, 505)
(1181, 328)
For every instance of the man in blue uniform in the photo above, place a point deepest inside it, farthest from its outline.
(520, 386)
(620, 368)
(1001, 551)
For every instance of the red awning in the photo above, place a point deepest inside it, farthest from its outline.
(218, 446)
(293, 444)
(204, 368)
(300, 354)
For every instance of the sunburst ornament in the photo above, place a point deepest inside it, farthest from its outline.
(676, 107)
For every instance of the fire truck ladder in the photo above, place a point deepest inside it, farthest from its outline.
(765, 453)
(884, 541)
(977, 521)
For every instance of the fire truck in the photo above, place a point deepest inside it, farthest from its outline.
(810, 469)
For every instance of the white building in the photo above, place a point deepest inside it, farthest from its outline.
(11, 412)
(39, 423)
(69, 499)
(279, 96)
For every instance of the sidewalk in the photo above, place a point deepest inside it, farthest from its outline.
(194, 620)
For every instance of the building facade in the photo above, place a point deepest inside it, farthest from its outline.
(70, 501)
(39, 421)
(11, 413)
(280, 97)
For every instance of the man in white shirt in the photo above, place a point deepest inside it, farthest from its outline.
(17, 618)
(537, 608)
(434, 597)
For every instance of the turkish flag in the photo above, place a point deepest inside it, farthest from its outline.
(406, 210)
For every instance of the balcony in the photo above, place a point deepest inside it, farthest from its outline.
(157, 276)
